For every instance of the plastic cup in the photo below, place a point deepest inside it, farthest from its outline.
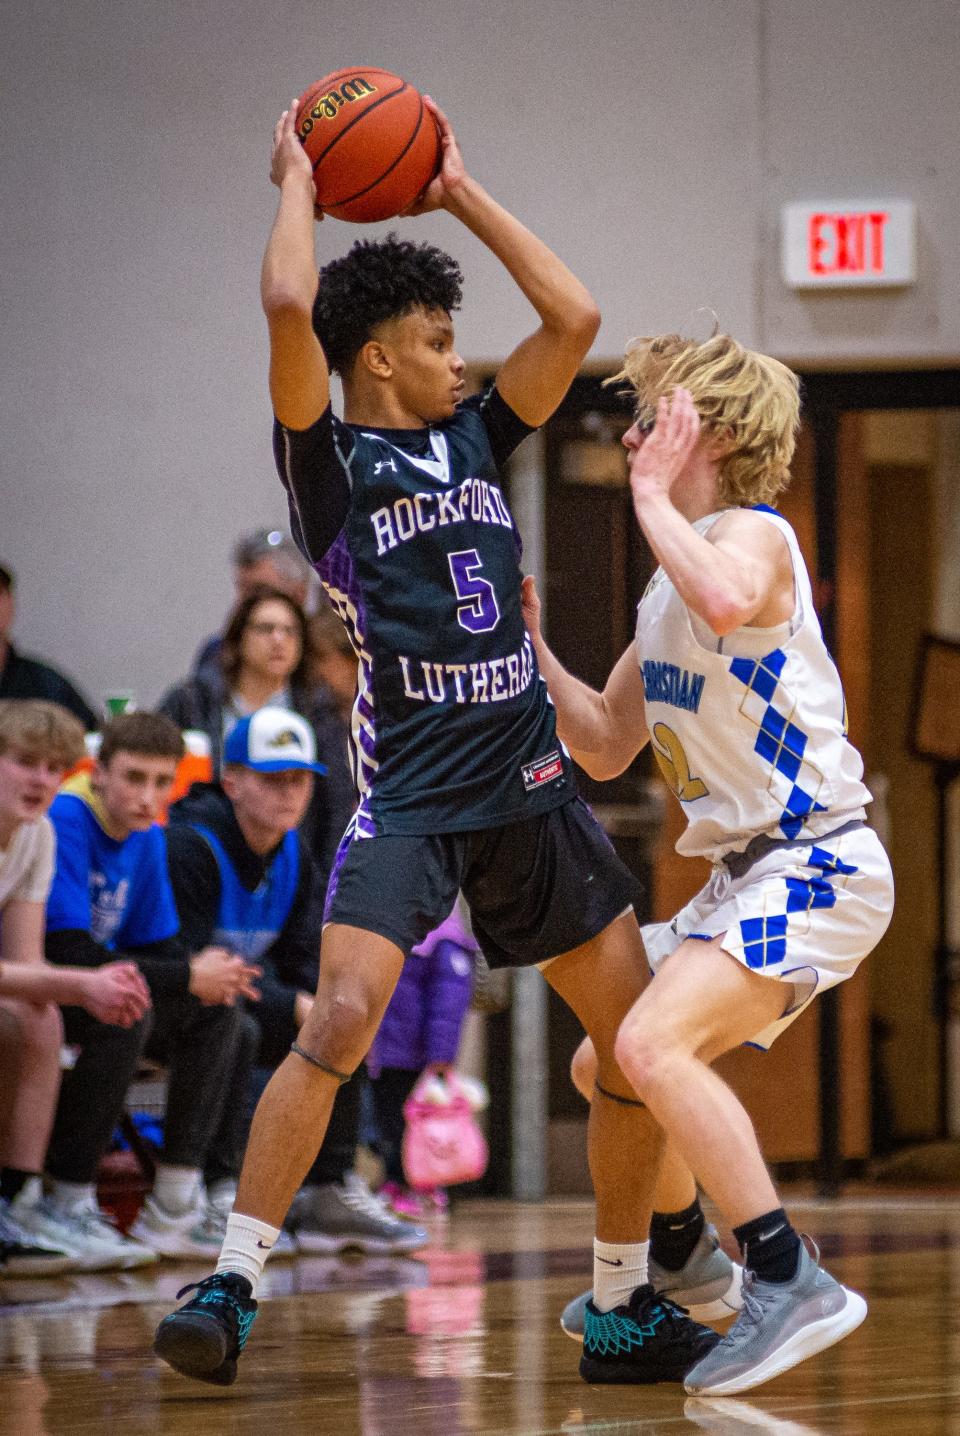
(120, 701)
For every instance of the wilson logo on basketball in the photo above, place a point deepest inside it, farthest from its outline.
(328, 106)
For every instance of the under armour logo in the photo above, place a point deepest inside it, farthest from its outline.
(384, 464)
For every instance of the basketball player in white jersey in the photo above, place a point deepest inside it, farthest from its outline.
(731, 682)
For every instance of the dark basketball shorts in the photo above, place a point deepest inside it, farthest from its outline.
(535, 889)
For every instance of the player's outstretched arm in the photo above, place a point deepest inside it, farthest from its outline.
(299, 378)
(536, 376)
(604, 731)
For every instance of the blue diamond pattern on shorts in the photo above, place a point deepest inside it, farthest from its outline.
(803, 895)
(764, 939)
(779, 742)
(829, 862)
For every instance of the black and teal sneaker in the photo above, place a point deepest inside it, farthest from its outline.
(204, 1339)
(649, 1339)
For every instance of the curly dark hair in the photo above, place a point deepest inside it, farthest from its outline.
(376, 280)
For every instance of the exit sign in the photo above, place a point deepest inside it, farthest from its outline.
(841, 245)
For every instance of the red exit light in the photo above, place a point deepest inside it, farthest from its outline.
(847, 243)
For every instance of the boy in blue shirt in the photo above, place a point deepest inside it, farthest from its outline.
(111, 894)
(244, 878)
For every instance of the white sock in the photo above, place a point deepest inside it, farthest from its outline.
(618, 1269)
(177, 1188)
(246, 1247)
(68, 1195)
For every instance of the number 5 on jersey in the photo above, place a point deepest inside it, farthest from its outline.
(477, 610)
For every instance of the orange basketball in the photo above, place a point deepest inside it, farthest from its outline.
(373, 143)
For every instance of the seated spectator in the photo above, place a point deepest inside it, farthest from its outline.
(331, 661)
(22, 677)
(244, 880)
(110, 894)
(264, 558)
(38, 742)
(263, 661)
(420, 1033)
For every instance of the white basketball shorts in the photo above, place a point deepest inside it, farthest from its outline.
(805, 914)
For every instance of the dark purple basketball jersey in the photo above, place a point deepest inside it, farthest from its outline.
(413, 541)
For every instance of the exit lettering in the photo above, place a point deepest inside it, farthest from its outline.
(847, 243)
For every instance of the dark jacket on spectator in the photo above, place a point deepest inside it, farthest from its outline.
(291, 962)
(200, 702)
(22, 677)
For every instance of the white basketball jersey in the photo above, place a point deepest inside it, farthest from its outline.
(749, 730)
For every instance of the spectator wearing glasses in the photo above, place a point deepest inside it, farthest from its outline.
(263, 662)
(264, 558)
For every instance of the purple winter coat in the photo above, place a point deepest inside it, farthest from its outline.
(424, 1019)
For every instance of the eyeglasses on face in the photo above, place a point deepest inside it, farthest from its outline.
(263, 629)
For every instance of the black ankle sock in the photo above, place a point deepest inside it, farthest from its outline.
(12, 1182)
(770, 1246)
(673, 1235)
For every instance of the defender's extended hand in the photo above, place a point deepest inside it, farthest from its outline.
(530, 607)
(659, 460)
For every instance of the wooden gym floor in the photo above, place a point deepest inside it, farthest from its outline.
(464, 1341)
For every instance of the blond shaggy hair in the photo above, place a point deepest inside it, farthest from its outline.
(748, 397)
(38, 730)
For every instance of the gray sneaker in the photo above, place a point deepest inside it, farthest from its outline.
(781, 1324)
(25, 1255)
(342, 1215)
(707, 1285)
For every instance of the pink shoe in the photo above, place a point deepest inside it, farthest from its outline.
(402, 1201)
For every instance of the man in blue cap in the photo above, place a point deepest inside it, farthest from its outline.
(244, 882)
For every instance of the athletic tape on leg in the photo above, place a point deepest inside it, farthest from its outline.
(614, 1097)
(330, 1071)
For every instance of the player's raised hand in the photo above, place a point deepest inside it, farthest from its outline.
(288, 155)
(658, 458)
(452, 169)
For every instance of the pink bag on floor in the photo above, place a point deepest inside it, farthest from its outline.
(442, 1144)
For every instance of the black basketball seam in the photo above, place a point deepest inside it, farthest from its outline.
(335, 204)
(349, 126)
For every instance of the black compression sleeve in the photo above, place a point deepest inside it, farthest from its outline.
(505, 429)
(314, 468)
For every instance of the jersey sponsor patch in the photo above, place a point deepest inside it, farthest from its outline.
(542, 770)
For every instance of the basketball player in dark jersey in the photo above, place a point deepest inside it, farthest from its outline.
(463, 782)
